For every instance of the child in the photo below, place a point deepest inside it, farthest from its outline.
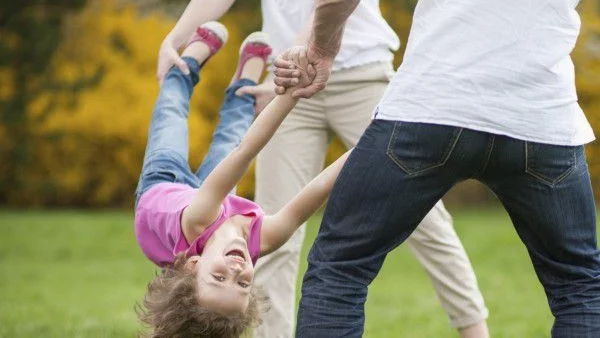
(206, 239)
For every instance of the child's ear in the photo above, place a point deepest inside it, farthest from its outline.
(192, 262)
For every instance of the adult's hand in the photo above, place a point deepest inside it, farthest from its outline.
(301, 57)
(167, 57)
(264, 93)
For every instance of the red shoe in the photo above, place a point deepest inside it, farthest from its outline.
(255, 45)
(213, 34)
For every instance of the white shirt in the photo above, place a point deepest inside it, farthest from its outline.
(499, 66)
(367, 36)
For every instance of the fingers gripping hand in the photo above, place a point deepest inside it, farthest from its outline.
(288, 68)
(305, 72)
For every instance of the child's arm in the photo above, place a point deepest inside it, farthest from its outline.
(206, 204)
(277, 229)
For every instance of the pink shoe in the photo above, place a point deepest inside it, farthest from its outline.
(255, 45)
(213, 34)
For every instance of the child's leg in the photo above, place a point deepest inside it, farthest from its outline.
(235, 117)
(166, 157)
(237, 112)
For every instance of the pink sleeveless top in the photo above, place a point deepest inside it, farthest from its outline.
(158, 222)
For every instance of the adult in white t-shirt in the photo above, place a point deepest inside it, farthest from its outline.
(486, 91)
(296, 154)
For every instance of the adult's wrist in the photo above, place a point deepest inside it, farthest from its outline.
(315, 51)
(172, 40)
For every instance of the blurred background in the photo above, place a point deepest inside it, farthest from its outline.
(77, 88)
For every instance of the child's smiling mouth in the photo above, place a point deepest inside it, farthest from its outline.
(237, 255)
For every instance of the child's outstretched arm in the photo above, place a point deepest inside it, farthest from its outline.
(277, 229)
(206, 204)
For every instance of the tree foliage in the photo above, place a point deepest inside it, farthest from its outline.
(88, 141)
(31, 32)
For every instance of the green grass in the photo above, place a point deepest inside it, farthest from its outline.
(79, 274)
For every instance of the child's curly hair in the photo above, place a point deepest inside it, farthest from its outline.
(172, 310)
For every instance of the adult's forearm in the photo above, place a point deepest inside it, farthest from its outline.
(196, 13)
(328, 26)
(304, 35)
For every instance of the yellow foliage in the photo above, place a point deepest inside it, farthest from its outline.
(6, 91)
(400, 20)
(98, 135)
(587, 65)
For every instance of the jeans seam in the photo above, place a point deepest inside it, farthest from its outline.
(488, 150)
(544, 179)
(445, 157)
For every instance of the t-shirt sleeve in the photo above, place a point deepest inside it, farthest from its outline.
(255, 232)
(158, 221)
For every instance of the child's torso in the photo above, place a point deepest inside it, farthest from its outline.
(158, 222)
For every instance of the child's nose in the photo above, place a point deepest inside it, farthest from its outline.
(236, 268)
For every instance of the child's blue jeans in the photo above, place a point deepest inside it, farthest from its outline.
(166, 157)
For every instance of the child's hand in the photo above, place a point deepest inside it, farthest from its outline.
(305, 71)
(264, 93)
(314, 71)
(167, 57)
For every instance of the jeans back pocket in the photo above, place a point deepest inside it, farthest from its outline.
(549, 163)
(420, 147)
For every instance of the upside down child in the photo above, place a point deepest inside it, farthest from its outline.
(205, 238)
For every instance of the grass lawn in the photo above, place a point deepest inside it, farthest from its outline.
(79, 274)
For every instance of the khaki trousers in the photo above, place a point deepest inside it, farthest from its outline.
(296, 154)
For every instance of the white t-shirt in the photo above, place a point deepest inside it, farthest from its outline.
(499, 66)
(367, 36)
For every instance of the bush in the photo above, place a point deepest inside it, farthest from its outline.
(89, 149)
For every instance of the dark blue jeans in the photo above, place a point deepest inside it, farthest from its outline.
(166, 157)
(395, 175)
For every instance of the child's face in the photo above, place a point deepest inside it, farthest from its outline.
(224, 273)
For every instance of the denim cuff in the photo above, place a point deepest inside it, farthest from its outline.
(193, 65)
(237, 84)
(194, 68)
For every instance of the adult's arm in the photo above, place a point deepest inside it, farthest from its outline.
(328, 26)
(196, 13)
(324, 43)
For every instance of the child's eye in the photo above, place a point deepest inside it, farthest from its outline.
(244, 284)
(219, 278)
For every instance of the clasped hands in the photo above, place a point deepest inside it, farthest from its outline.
(303, 70)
